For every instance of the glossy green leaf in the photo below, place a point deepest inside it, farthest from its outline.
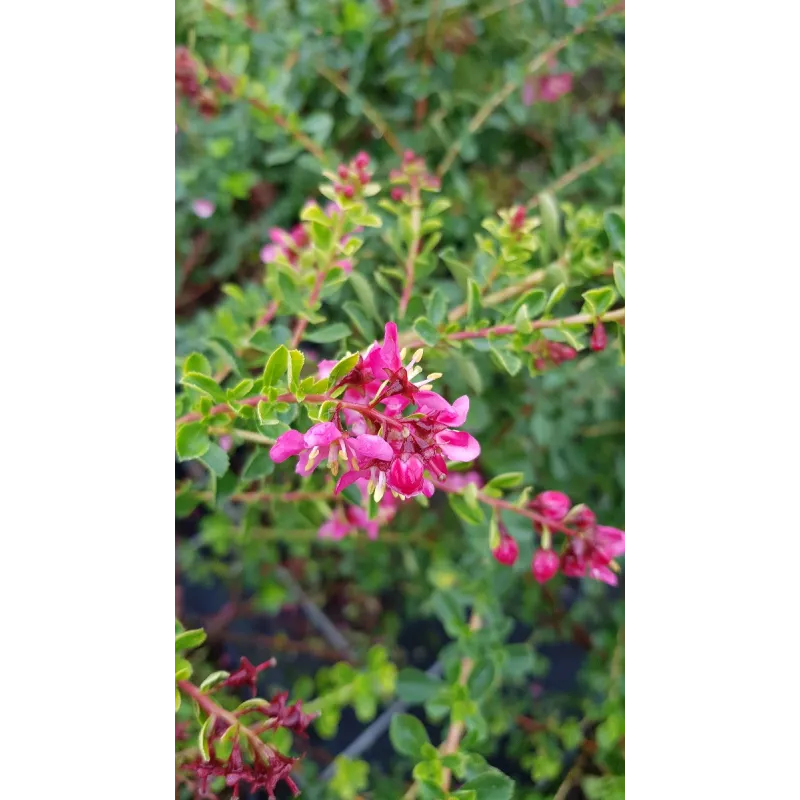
(329, 333)
(191, 441)
(407, 735)
(275, 368)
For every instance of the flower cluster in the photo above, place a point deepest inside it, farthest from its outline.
(589, 549)
(353, 177)
(389, 450)
(547, 88)
(187, 84)
(291, 244)
(549, 353)
(412, 178)
(247, 674)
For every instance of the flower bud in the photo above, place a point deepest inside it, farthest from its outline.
(599, 338)
(361, 161)
(544, 565)
(343, 172)
(507, 551)
(397, 194)
(552, 505)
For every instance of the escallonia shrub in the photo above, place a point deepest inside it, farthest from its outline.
(344, 391)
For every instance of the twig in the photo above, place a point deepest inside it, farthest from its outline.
(573, 174)
(499, 97)
(370, 112)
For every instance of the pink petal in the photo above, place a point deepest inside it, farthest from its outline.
(324, 368)
(458, 445)
(389, 351)
(287, 444)
(368, 446)
(333, 528)
(603, 574)
(322, 434)
(350, 477)
(305, 465)
(405, 477)
(203, 208)
(427, 488)
(611, 541)
(346, 264)
(269, 253)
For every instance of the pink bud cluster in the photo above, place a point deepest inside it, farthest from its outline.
(292, 243)
(547, 88)
(588, 549)
(353, 176)
(188, 86)
(412, 178)
(237, 772)
(391, 451)
(552, 353)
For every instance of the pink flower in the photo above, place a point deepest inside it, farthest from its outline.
(591, 555)
(507, 551)
(544, 565)
(324, 368)
(552, 505)
(354, 518)
(552, 87)
(572, 3)
(346, 264)
(459, 480)
(203, 208)
(269, 253)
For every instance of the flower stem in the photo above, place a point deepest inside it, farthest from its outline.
(413, 249)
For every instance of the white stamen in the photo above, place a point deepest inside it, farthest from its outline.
(379, 492)
(313, 454)
(417, 355)
(406, 432)
(403, 353)
(414, 371)
(434, 376)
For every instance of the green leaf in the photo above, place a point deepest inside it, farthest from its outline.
(449, 612)
(351, 777)
(341, 369)
(242, 389)
(414, 686)
(368, 220)
(177, 700)
(313, 213)
(251, 705)
(508, 480)
(328, 333)
(296, 361)
(481, 678)
(598, 301)
(439, 205)
(522, 320)
(188, 640)
(360, 320)
(407, 735)
(183, 669)
(426, 331)
(615, 228)
(259, 466)
(366, 296)
(204, 384)
(509, 361)
(275, 367)
(472, 516)
(213, 679)
(202, 738)
(555, 296)
(216, 459)
(473, 300)
(491, 785)
(535, 300)
(619, 278)
(197, 363)
(551, 220)
(436, 306)
(191, 441)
